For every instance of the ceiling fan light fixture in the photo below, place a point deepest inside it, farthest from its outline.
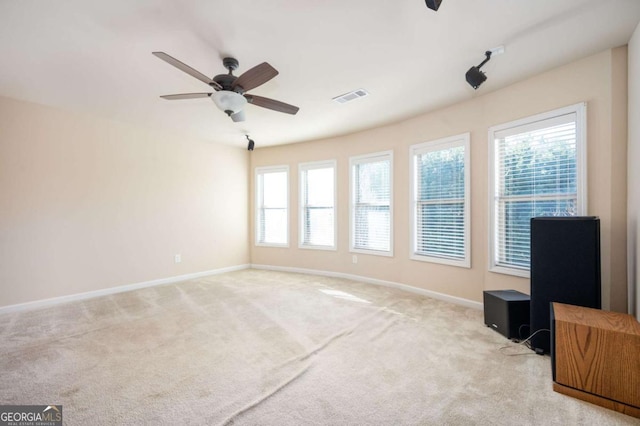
(238, 116)
(228, 101)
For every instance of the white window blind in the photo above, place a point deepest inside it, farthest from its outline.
(536, 172)
(317, 205)
(272, 200)
(371, 215)
(441, 201)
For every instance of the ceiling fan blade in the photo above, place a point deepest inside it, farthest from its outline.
(256, 76)
(271, 104)
(238, 116)
(186, 68)
(186, 96)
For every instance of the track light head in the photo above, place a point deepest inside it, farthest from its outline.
(433, 4)
(251, 143)
(474, 76)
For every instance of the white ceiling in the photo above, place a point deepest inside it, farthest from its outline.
(94, 56)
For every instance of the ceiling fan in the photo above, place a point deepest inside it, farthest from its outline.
(229, 91)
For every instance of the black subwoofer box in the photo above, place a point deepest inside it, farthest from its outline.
(506, 311)
(565, 268)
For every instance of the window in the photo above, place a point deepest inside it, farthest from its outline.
(440, 201)
(371, 214)
(272, 205)
(317, 205)
(537, 169)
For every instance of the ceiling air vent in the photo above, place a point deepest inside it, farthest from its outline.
(347, 97)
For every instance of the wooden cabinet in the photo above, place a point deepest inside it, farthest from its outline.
(596, 357)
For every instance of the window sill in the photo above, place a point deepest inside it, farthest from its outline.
(276, 245)
(310, 247)
(372, 252)
(466, 263)
(510, 271)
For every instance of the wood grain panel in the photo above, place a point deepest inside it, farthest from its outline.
(598, 400)
(598, 352)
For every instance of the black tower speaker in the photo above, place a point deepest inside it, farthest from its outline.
(565, 268)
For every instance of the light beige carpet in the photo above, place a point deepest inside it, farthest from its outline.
(269, 348)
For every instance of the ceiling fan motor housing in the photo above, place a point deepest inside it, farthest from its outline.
(226, 80)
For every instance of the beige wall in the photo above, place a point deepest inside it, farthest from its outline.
(633, 158)
(87, 204)
(598, 80)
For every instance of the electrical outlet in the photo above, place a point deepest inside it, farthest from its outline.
(354, 258)
(177, 258)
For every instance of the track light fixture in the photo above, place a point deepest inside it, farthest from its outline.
(251, 143)
(433, 4)
(475, 77)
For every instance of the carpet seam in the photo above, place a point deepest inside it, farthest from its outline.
(263, 398)
(303, 357)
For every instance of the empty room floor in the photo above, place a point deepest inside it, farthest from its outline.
(276, 348)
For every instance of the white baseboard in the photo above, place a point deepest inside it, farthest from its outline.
(170, 280)
(113, 290)
(433, 294)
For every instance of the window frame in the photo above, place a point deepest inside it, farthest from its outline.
(259, 203)
(363, 159)
(580, 110)
(302, 168)
(463, 140)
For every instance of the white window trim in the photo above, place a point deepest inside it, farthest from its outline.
(580, 109)
(463, 139)
(310, 166)
(368, 158)
(262, 170)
